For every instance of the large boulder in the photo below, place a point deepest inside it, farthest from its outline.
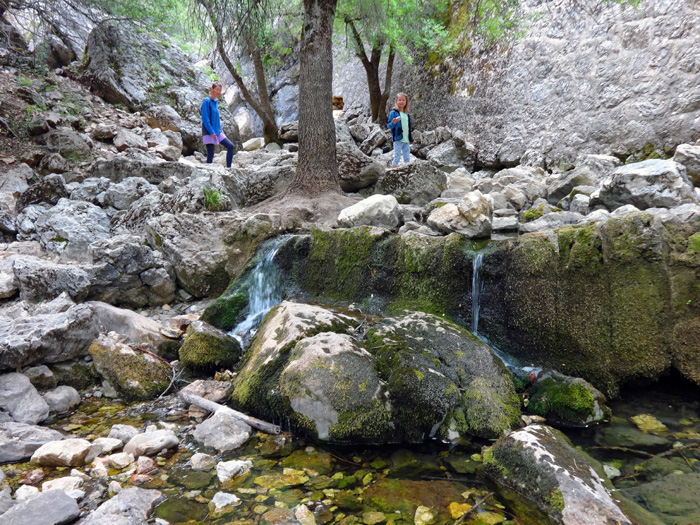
(453, 154)
(649, 184)
(133, 373)
(416, 183)
(13, 184)
(442, 379)
(121, 195)
(119, 168)
(130, 325)
(331, 385)
(70, 144)
(53, 507)
(136, 69)
(70, 227)
(49, 189)
(472, 217)
(590, 172)
(38, 279)
(194, 245)
(382, 211)
(18, 441)
(50, 338)
(20, 399)
(355, 169)
(567, 490)
(418, 377)
(141, 276)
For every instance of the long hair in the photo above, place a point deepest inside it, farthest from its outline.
(405, 108)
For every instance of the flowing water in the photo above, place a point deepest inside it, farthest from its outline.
(264, 290)
(477, 282)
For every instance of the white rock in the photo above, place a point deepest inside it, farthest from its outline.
(108, 445)
(66, 484)
(227, 470)
(151, 443)
(64, 453)
(224, 499)
(120, 460)
(201, 461)
(378, 210)
(26, 492)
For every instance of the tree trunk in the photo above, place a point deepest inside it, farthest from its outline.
(317, 169)
(270, 130)
(382, 116)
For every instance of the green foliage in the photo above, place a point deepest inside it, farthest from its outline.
(212, 199)
(209, 72)
(24, 81)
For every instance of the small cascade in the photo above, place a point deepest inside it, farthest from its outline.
(477, 282)
(264, 290)
(477, 285)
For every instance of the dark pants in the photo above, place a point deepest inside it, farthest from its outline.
(230, 150)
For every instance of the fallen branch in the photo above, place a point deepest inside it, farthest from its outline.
(216, 407)
(476, 506)
(145, 350)
(628, 450)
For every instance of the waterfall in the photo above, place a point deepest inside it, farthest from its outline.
(477, 282)
(264, 289)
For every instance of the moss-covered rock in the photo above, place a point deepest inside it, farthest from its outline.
(78, 374)
(134, 374)
(208, 348)
(548, 481)
(257, 389)
(441, 377)
(567, 400)
(226, 311)
(333, 390)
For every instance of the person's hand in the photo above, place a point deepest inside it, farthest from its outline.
(213, 135)
(397, 119)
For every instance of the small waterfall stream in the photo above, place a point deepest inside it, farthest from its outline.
(264, 290)
(477, 282)
(477, 285)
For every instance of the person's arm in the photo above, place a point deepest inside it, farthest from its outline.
(392, 117)
(206, 122)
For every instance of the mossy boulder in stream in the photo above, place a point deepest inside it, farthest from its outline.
(546, 481)
(257, 389)
(208, 348)
(134, 374)
(567, 401)
(442, 378)
(412, 377)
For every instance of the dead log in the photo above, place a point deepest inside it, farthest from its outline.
(216, 407)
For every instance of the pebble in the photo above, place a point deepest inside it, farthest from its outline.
(26, 492)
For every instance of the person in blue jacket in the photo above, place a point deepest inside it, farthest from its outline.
(400, 126)
(212, 134)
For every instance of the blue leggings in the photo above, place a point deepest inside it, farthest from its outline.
(230, 150)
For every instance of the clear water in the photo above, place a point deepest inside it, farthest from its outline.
(264, 291)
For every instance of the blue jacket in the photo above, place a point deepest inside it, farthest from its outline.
(396, 130)
(211, 125)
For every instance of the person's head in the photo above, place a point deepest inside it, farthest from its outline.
(215, 90)
(401, 102)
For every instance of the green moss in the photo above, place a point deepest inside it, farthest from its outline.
(78, 375)
(133, 374)
(570, 402)
(489, 410)
(556, 500)
(226, 312)
(420, 375)
(158, 240)
(206, 351)
(369, 425)
(694, 243)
